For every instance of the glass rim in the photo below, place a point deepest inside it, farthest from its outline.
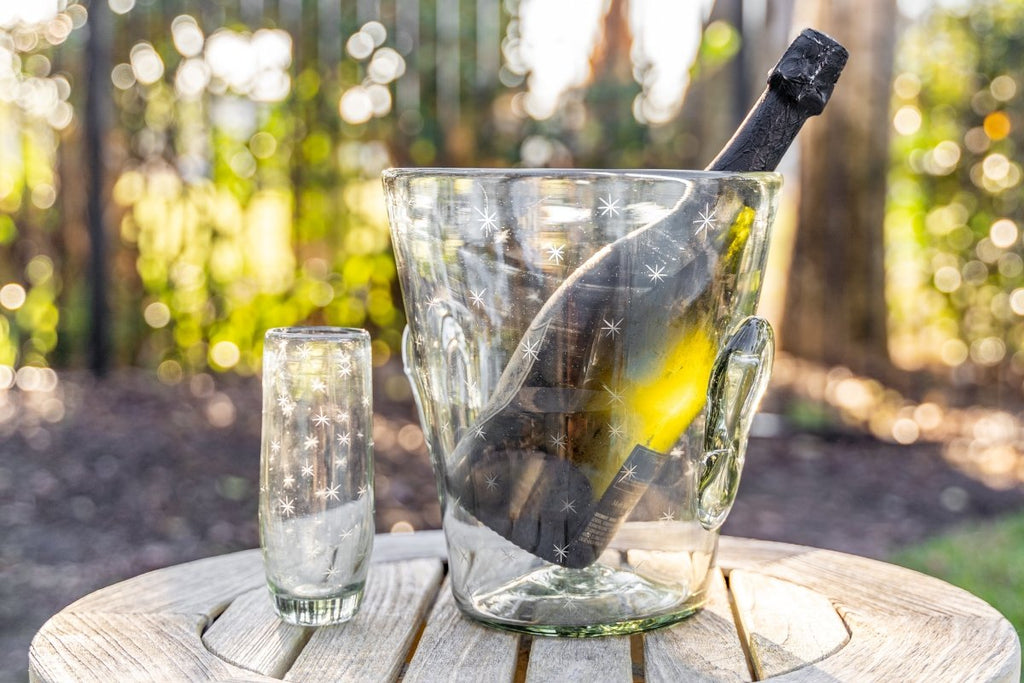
(318, 332)
(396, 173)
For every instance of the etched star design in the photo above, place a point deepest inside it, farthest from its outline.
(656, 274)
(344, 416)
(362, 491)
(611, 328)
(345, 439)
(613, 396)
(311, 442)
(705, 220)
(668, 516)
(502, 236)
(320, 493)
(487, 219)
(558, 441)
(345, 369)
(479, 432)
(331, 493)
(609, 206)
(365, 401)
(616, 431)
(275, 446)
(556, 254)
(677, 452)
(283, 400)
(569, 506)
(569, 605)
(491, 482)
(331, 572)
(532, 350)
(561, 551)
(305, 351)
(287, 506)
(434, 303)
(628, 473)
(288, 481)
(307, 470)
(347, 533)
(321, 419)
(477, 298)
(288, 408)
(319, 386)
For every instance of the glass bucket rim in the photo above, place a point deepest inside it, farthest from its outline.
(773, 179)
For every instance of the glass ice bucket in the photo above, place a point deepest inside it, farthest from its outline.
(586, 364)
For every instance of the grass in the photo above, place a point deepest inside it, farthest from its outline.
(985, 559)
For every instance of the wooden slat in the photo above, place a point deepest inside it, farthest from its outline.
(455, 648)
(903, 625)
(705, 647)
(373, 646)
(126, 647)
(252, 636)
(914, 649)
(391, 547)
(746, 553)
(580, 659)
(785, 626)
(201, 587)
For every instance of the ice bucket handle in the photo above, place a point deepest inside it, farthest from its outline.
(738, 381)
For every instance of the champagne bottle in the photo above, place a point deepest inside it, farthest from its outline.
(575, 431)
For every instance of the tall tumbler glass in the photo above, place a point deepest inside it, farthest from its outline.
(316, 475)
(586, 363)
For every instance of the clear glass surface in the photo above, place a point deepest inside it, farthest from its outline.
(586, 364)
(316, 475)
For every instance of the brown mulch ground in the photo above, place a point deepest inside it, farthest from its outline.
(100, 481)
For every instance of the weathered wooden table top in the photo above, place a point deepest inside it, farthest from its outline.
(776, 610)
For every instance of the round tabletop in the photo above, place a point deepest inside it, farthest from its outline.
(775, 610)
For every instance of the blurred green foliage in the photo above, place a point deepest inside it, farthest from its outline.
(245, 148)
(244, 151)
(953, 223)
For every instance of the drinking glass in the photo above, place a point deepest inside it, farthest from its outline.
(316, 474)
(586, 363)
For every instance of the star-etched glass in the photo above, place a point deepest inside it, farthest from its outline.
(316, 475)
(586, 362)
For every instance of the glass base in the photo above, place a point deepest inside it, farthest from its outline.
(318, 611)
(596, 601)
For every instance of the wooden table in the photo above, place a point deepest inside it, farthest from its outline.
(776, 610)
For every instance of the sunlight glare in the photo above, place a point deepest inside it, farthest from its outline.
(19, 12)
(188, 37)
(666, 38)
(146, 63)
(557, 39)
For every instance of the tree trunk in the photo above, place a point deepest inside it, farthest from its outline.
(835, 311)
